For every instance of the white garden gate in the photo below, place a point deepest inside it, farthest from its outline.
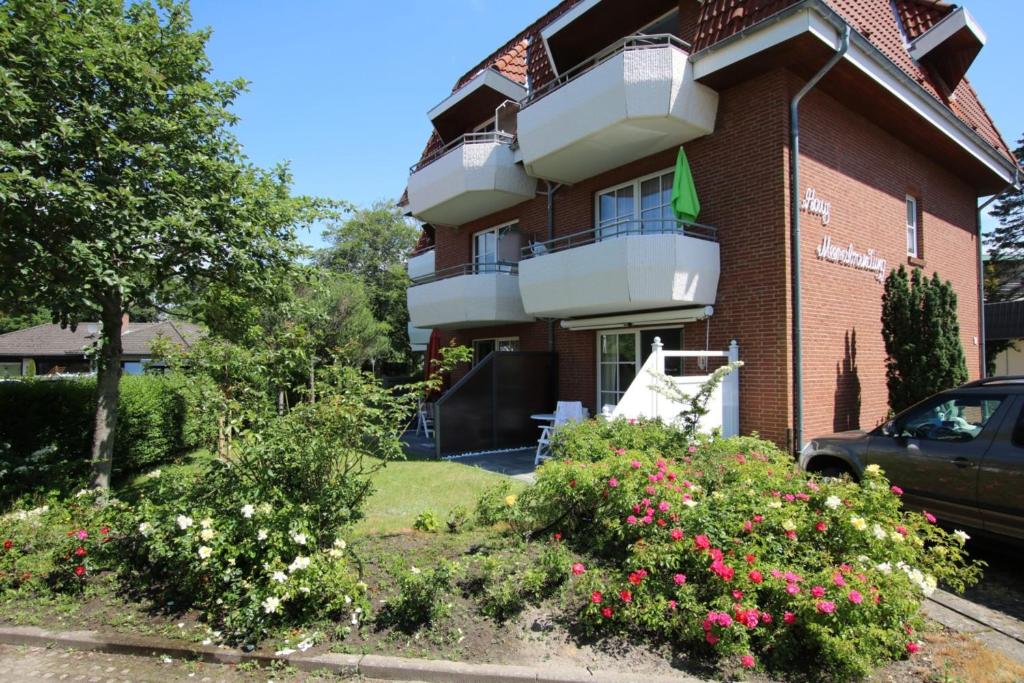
(643, 400)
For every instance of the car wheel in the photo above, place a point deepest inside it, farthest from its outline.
(833, 472)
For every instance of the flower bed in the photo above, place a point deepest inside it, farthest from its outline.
(728, 549)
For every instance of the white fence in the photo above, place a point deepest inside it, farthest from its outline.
(642, 399)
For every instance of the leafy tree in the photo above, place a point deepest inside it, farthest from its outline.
(120, 183)
(18, 318)
(922, 337)
(372, 244)
(1004, 269)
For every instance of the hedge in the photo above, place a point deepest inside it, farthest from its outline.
(46, 428)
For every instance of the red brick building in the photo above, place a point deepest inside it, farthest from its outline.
(567, 137)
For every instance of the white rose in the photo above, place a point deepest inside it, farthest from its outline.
(832, 502)
(961, 536)
(298, 563)
(339, 544)
(271, 604)
(299, 538)
(206, 523)
(205, 551)
(145, 528)
(206, 534)
(261, 535)
(184, 522)
(280, 577)
(248, 511)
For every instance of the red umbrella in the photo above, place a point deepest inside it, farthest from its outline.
(433, 353)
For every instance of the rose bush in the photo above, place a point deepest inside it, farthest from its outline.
(728, 548)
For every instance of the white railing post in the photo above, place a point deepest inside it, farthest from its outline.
(731, 395)
(659, 367)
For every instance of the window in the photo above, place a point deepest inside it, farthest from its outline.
(618, 212)
(912, 237)
(483, 347)
(621, 354)
(961, 418)
(488, 126)
(495, 248)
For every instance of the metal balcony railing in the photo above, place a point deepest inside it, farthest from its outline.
(644, 226)
(634, 42)
(467, 139)
(468, 269)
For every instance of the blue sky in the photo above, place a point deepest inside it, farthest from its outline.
(340, 88)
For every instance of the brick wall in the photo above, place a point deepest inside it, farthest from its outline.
(866, 174)
(741, 176)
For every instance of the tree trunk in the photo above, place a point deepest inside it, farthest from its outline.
(108, 389)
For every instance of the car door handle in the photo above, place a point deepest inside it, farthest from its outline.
(962, 462)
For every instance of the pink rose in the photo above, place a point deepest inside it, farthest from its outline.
(929, 516)
(789, 618)
(747, 661)
(613, 483)
(755, 576)
(818, 591)
(680, 579)
(578, 568)
(896, 490)
(826, 606)
(855, 597)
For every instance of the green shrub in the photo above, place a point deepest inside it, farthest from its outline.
(46, 433)
(421, 598)
(594, 439)
(510, 586)
(427, 521)
(496, 504)
(726, 547)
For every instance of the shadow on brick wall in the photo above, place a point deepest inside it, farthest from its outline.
(847, 398)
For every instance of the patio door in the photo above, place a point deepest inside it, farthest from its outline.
(621, 354)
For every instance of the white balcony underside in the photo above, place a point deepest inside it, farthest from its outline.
(418, 338)
(421, 265)
(637, 103)
(469, 182)
(621, 274)
(467, 301)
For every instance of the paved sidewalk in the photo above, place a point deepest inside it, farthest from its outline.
(994, 629)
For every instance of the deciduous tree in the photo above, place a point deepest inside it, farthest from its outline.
(121, 183)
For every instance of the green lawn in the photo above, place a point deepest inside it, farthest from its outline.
(407, 488)
(404, 489)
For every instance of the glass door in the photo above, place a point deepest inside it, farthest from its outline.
(618, 363)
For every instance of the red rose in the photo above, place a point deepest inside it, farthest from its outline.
(8, 544)
(104, 530)
(626, 596)
(607, 612)
(80, 551)
(79, 570)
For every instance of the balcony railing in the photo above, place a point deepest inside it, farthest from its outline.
(635, 42)
(645, 226)
(468, 269)
(468, 138)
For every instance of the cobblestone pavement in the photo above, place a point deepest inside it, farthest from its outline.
(32, 664)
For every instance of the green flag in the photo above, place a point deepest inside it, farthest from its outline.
(684, 195)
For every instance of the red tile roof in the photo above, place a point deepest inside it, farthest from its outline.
(876, 20)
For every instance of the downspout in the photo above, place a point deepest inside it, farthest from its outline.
(550, 193)
(981, 271)
(794, 217)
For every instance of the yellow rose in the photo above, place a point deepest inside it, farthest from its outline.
(510, 499)
(858, 523)
(873, 469)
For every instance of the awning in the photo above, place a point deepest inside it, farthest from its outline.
(676, 316)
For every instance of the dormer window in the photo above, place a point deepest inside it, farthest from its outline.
(473, 103)
(593, 25)
(949, 47)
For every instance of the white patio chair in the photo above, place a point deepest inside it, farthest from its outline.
(565, 411)
(425, 420)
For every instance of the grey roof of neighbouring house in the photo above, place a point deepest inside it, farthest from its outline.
(1004, 320)
(52, 340)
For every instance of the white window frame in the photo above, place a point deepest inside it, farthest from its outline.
(639, 351)
(913, 243)
(496, 340)
(496, 230)
(635, 184)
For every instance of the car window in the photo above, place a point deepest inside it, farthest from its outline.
(951, 418)
(1018, 431)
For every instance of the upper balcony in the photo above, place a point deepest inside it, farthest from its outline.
(421, 264)
(639, 265)
(471, 177)
(469, 295)
(629, 101)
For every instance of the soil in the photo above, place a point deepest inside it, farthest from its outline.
(535, 637)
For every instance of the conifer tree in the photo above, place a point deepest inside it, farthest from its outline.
(922, 337)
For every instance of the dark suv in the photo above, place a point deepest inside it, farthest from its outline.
(958, 454)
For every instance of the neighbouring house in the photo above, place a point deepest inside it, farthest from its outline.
(1004, 322)
(548, 179)
(50, 349)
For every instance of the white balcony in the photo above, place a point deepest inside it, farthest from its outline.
(633, 100)
(632, 271)
(421, 265)
(462, 298)
(471, 178)
(418, 338)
